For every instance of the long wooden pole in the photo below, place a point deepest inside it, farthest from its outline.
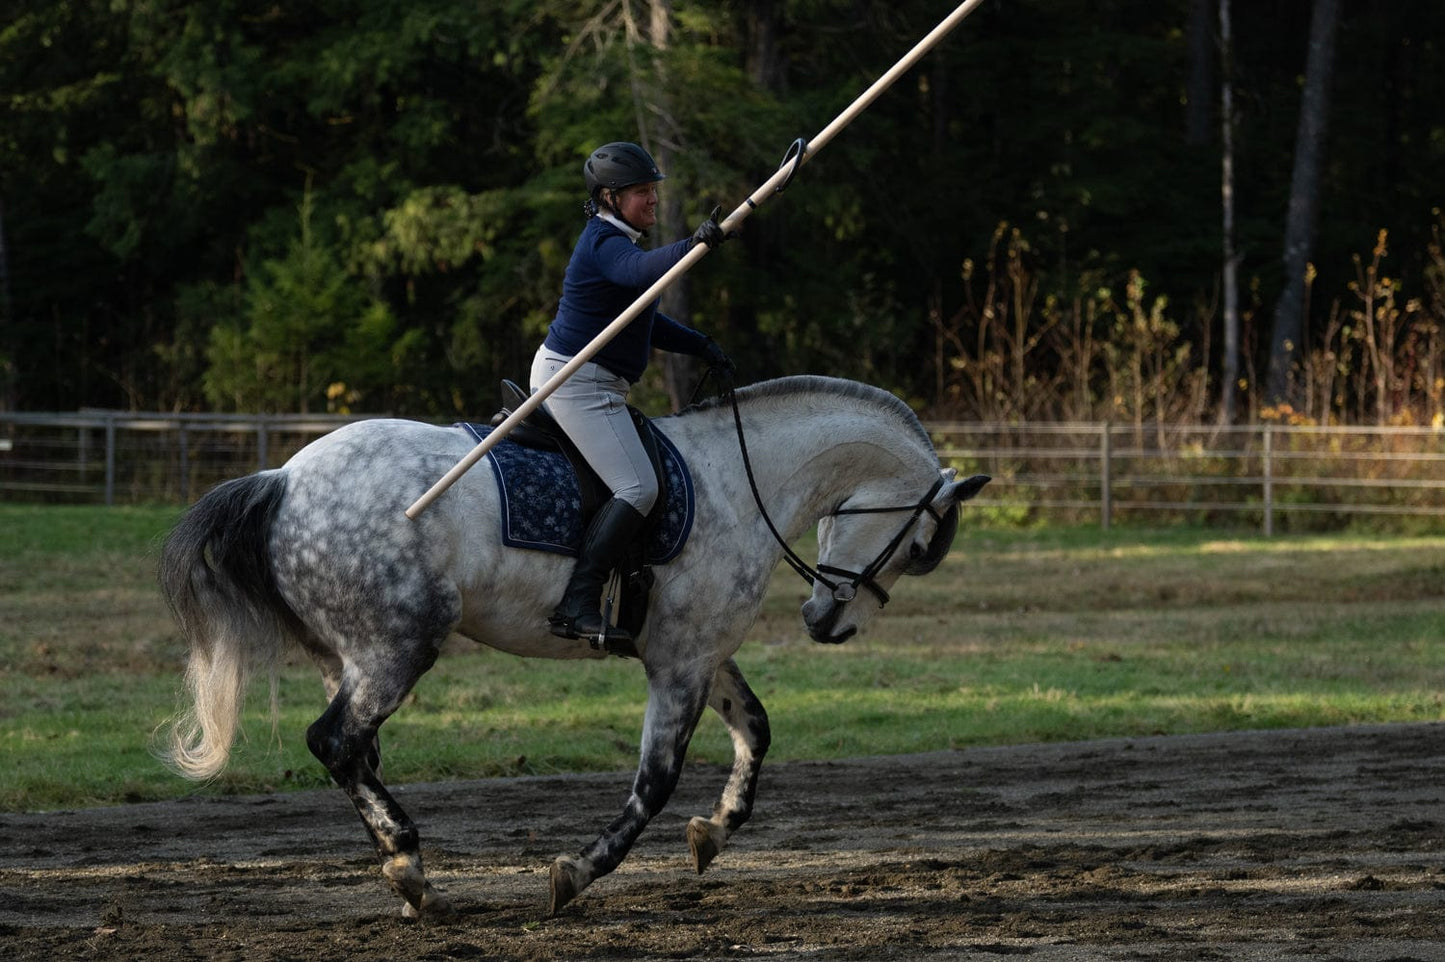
(772, 186)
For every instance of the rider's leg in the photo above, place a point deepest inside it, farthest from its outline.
(591, 407)
(579, 614)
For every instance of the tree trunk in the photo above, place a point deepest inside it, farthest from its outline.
(1199, 85)
(1229, 373)
(761, 58)
(678, 371)
(1304, 200)
(763, 240)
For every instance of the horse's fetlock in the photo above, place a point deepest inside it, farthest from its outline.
(401, 868)
(406, 841)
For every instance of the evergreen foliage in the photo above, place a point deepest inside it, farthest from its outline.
(368, 204)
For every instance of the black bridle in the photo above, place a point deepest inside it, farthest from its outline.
(847, 591)
(843, 591)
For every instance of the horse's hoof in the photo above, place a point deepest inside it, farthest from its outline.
(702, 839)
(435, 907)
(420, 900)
(565, 884)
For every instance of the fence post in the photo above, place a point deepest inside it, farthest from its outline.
(1268, 472)
(109, 460)
(261, 440)
(1106, 500)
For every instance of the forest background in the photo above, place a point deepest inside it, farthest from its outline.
(368, 205)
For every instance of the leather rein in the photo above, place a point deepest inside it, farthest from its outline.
(846, 590)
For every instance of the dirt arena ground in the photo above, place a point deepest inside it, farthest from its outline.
(1297, 845)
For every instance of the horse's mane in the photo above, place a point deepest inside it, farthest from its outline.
(835, 388)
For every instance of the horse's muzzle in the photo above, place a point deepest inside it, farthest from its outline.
(821, 624)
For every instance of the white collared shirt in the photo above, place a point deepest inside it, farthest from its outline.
(621, 225)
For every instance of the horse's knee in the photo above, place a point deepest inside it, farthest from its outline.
(659, 770)
(647, 800)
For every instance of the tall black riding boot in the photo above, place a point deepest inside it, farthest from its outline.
(579, 614)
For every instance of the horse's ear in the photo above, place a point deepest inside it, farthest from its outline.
(961, 491)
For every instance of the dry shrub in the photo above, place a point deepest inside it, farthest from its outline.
(1011, 353)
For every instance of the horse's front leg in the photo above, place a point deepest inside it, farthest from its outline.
(747, 722)
(675, 699)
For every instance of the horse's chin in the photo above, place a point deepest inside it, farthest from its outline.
(824, 638)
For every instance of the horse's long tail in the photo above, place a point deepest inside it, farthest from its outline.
(215, 574)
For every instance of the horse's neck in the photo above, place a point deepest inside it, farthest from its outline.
(805, 461)
(816, 462)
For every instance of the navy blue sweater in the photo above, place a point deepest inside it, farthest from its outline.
(606, 274)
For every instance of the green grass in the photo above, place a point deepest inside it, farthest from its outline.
(1020, 636)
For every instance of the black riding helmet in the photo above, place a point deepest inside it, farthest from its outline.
(618, 165)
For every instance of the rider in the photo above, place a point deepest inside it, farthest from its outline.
(606, 274)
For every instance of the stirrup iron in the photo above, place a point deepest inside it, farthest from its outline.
(599, 640)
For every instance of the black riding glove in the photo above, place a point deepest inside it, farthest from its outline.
(710, 232)
(718, 360)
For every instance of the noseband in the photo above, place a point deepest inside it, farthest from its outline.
(847, 590)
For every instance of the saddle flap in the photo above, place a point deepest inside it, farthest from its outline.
(540, 430)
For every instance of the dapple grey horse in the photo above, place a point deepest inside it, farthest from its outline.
(320, 554)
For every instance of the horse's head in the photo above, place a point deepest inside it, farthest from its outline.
(864, 548)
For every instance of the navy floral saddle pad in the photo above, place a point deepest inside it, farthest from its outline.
(542, 501)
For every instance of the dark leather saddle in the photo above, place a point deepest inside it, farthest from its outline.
(540, 431)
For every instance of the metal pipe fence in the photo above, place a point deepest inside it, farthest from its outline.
(1267, 476)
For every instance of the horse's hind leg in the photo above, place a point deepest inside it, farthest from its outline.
(331, 668)
(747, 722)
(344, 738)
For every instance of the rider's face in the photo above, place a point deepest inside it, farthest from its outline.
(638, 205)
